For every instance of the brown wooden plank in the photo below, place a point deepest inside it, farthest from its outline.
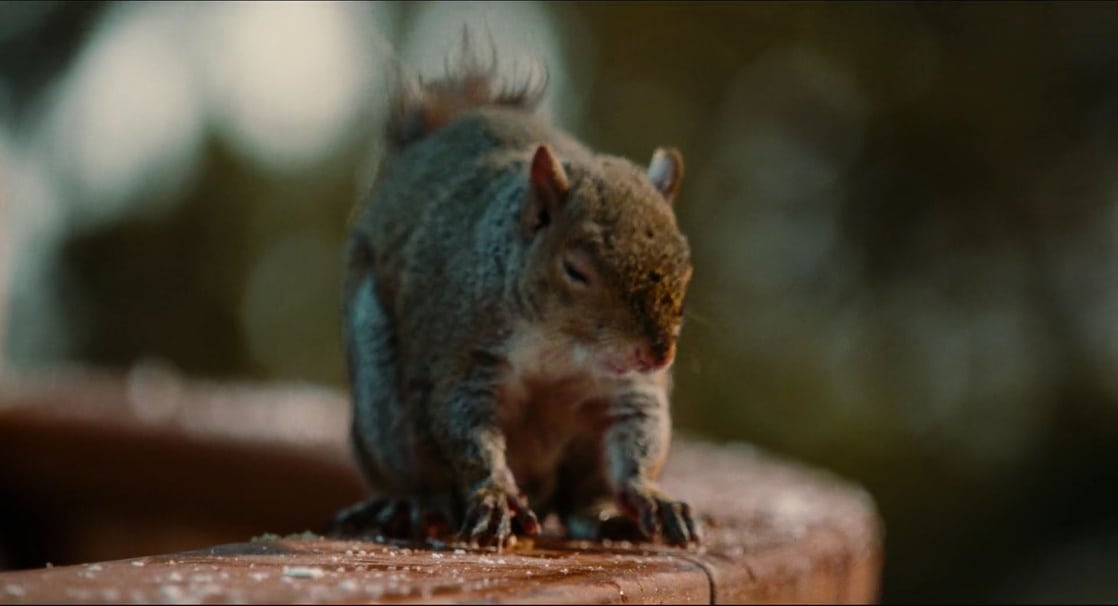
(780, 532)
(310, 570)
(140, 470)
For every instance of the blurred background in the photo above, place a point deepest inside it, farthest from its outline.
(904, 219)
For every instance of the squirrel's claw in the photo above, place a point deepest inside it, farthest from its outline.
(494, 515)
(525, 518)
(657, 514)
(676, 522)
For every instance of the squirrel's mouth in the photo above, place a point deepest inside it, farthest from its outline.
(616, 369)
(640, 359)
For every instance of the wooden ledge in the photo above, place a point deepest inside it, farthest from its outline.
(149, 487)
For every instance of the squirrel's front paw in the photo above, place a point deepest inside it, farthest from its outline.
(494, 513)
(654, 512)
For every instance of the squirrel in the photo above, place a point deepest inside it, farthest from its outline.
(511, 306)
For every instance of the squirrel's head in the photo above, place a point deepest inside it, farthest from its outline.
(609, 255)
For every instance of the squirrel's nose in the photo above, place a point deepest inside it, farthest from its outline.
(655, 356)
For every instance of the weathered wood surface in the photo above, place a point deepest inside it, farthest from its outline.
(143, 475)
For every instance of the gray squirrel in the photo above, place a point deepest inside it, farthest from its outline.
(511, 307)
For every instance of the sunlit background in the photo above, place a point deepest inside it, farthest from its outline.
(904, 220)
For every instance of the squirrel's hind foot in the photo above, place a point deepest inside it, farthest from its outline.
(396, 518)
(588, 526)
(660, 519)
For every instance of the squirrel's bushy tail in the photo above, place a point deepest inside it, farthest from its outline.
(421, 108)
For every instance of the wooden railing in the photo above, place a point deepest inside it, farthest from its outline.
(152, 488)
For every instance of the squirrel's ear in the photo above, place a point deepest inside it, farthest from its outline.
(666, 171)
(548, 192)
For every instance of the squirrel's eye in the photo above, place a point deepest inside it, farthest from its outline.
(578, 268)
(574, 274)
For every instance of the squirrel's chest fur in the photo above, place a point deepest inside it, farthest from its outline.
(552, 394)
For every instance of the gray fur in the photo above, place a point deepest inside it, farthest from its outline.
(466, 382)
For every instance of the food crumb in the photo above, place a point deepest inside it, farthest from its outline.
(137, 563)
(13, 590)
(302, 572)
